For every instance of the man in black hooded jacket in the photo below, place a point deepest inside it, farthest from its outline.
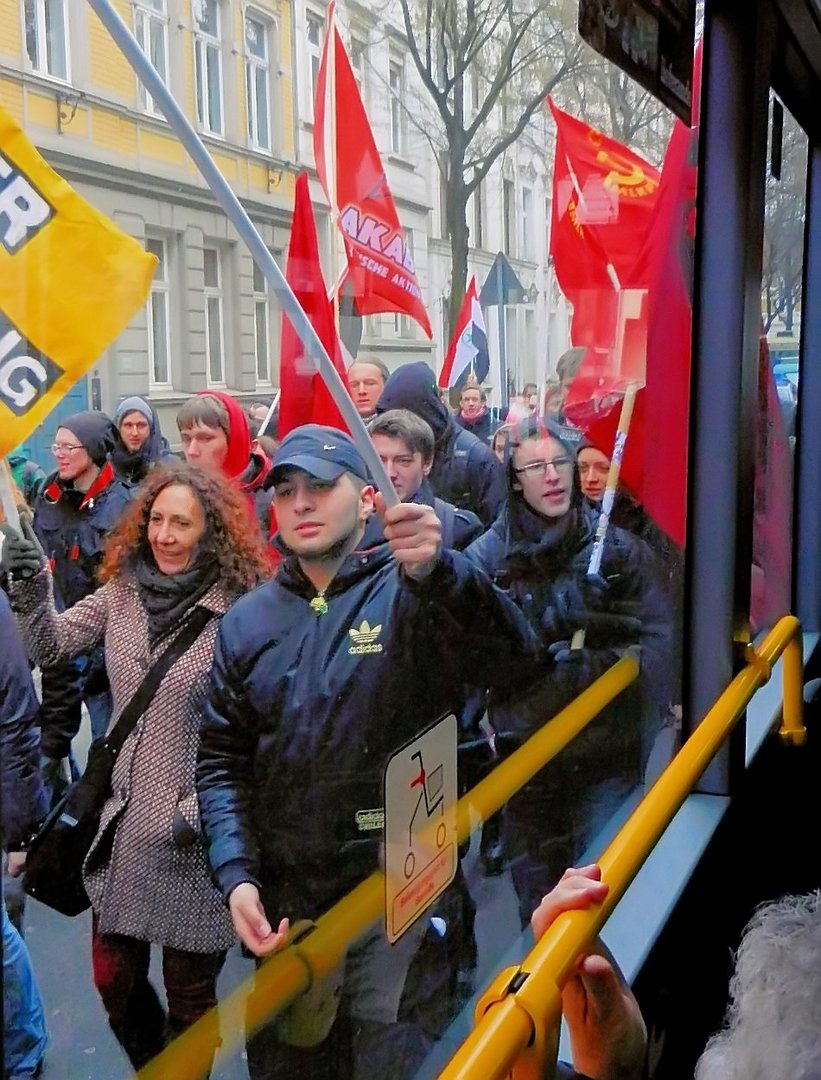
(318, 676)
(539, 550)
(465, 472)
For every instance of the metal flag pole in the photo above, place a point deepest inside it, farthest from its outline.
(236, 214)
(330, 93)
(544, 374)
(501, 329)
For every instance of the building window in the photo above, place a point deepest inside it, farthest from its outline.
(214, 336)
(509, 216)
(151, 30)
(396, 77)
(257, 82)
(474, 92)
(159, 347)
(442, 170)
(477, 238)
(359, 57)
(530, 332)
(47, 37)
(262, 326)
(208, 65)
(528, 230)
(315, 36)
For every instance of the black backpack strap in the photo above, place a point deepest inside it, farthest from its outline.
(191, 630)
(463, 444)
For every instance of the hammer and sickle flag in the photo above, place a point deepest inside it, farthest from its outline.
(70, 281)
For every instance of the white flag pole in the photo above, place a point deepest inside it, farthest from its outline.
(7, 499)
(609, 497)
(272, 408)
(238, 217)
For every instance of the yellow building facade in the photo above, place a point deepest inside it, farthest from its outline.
(231, 67)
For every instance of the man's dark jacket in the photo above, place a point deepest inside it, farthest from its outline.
(23, 800)
(480, 426)
(304, 710)
(465, 472)
(545, 576)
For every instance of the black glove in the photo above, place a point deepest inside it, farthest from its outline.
(22, 556)
(576, 667)
(575, 601)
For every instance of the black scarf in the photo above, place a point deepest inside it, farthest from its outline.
(541, 548)
(167, 598)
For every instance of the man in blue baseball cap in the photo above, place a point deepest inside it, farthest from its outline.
(319, 676)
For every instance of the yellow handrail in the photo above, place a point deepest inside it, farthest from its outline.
(507, 1028)
(291, 972)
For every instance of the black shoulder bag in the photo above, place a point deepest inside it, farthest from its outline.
(54, 863)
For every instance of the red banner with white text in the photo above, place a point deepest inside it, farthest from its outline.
(351, 172)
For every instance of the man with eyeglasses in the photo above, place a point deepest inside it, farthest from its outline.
(539, 551)
(80, 503)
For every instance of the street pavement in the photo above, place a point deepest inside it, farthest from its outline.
(83, 1048)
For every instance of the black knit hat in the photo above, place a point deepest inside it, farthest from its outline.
(94, 431)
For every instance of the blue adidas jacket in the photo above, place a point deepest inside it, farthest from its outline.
(305, 709)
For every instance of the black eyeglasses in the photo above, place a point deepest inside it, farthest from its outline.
(539, 468)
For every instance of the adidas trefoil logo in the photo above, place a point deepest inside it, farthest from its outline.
(364, 639)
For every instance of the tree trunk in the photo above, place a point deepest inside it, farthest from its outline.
(459, 240)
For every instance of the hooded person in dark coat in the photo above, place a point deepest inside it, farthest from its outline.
(139, 442)
(79, 505)
(539, 550)
(465, 471)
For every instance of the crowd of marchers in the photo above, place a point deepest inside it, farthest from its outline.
(236, 803)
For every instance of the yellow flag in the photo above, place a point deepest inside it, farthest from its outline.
(70, 280)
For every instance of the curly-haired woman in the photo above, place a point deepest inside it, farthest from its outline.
(185, 542)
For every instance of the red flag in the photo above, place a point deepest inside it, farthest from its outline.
(603, 200)
(655, 463)
(352, 175)
(305, 398)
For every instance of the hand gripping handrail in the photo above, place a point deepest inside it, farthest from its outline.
(290, 972)
(525, 1015)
